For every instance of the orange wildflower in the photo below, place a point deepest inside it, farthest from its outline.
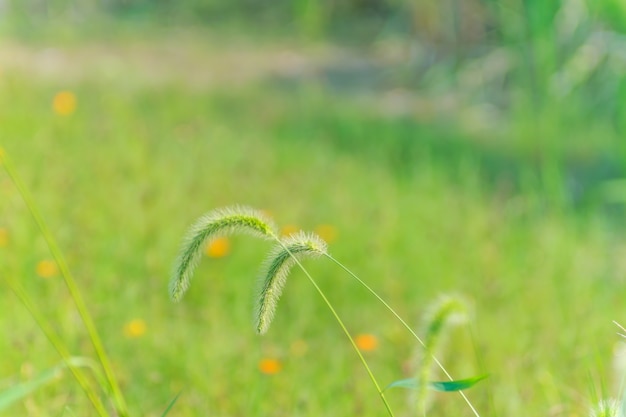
(218, 248)
(270, 366)
(366, 342)
(326, 232)
(64, 103)
(46, 269)
(135, 328)
(4, 237)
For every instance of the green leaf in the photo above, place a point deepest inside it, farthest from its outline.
(456, 385)
(23, 389)
(171, 404)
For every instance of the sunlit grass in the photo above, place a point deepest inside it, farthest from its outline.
(120, 178)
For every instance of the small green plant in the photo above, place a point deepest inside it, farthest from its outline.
(287, 252)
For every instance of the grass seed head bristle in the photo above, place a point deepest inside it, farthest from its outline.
(447, 310)
(214, 224)
(277, 266)
(607, 408)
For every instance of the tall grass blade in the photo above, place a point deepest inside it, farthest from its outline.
(70, 282)
(17, 392)
(171, 405)
(54, 339)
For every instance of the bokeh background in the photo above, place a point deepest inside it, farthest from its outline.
(468, 147)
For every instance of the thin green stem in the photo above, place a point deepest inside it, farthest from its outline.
(58, 345)
(343, 327)
(375, 294)
(56, 252)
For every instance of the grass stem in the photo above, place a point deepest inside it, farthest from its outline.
(58, 345)
(70, 282)
(392, 311)
(343, 328)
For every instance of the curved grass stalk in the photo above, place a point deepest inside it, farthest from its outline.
(215, 224)
(59, 346)
(406, 326)
(277, 266)
(445, 311)
(70, 282)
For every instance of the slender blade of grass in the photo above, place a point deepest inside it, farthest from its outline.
(444, 386)
(58, 345)
(70, 282)
(17, 392)
(171, 405)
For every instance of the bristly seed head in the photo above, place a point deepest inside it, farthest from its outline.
(214, 224)
(447, 310)
(277, 266)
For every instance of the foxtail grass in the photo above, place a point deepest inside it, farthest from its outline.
(287, 252)
(422, 343)
(213, 225)
(446, 311)
(277, 266)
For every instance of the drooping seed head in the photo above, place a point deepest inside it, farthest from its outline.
(446, 311)
(213, 225)
(277, 266)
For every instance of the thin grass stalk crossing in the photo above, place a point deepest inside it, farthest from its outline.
(343, 328)
(443, 312)
(404, 323)
(58, 345)
(70, 282)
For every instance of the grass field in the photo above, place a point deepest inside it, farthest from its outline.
(416, 209)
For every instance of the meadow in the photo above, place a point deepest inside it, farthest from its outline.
(120, 162)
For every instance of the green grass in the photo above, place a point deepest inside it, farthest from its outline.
(120, 180)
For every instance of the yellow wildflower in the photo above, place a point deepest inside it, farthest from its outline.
(218, 248)
(326, 232)
(64, 103)
(366, 342)
(299, 348)
(46, 268)
(270, 366)
(4, 237)
(289, 230)
(135, 328)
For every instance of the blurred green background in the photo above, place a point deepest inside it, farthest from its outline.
(470, 147)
